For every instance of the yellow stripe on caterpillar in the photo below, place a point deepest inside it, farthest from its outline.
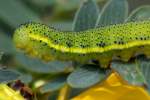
(89, 50)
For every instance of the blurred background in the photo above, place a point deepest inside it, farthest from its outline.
(57, 13)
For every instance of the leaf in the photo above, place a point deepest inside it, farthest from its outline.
(1, 54)
(43, 2)
(8, 75)
(36, 65)
(63, 26)
(67, 5)
(86, 16)
(85, 76)
(139, 14)
(25, 78)
(6, 44)
(134, 73)
(114, 12)
(14, 13)
(131, 72)
(54, 85)
(145, 70)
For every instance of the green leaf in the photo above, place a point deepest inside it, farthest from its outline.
(86, 16)
(1, 54)
(8, 75)
(67, 5)
(14, 13)
(36, 65)
(114, 12)
(63, 26)
(6, 44)
(135, 73)
(54, 85)
(145, 71)
(140, 14)
(131, 72)
(85, 76)
(43, 2)
(25, 78)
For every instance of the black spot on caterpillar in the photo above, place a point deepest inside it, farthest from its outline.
(102, 44)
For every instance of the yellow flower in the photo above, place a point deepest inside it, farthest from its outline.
(6, 93)
(114, 88)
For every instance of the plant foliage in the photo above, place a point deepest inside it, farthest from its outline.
(59, 14)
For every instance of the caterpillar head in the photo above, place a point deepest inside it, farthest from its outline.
(24, 39)
(20, 37)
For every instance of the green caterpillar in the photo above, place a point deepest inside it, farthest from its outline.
(116, 41)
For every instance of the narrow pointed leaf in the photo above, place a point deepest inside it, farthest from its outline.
(114, 12)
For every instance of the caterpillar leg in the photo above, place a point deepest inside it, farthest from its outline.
(146, 51)
(104, 62)
(143, 50)
(125, 55)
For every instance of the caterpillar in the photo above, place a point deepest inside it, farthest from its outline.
(103, 44)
